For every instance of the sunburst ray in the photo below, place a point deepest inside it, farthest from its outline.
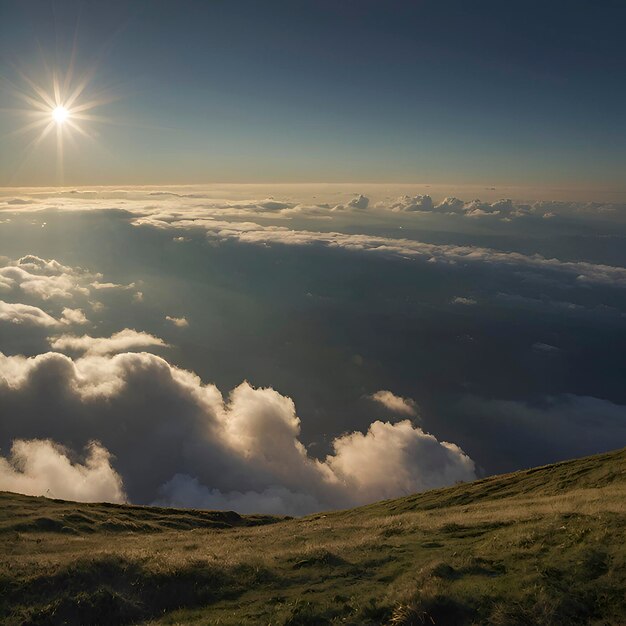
(66, 105)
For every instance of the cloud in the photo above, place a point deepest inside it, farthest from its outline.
(450, 205)
(100, 285)
(397, 404)
(464, 301)
(17, 313)
(359, 202)
(181, 322)
(580, 273)
(74, 316)
(43, 278)
(167, 205)
(187, 492)
(127, 339)
(48, 279)
(412, 203)
(202, 448)
(397, 459)
(43, 468)
(26, 314)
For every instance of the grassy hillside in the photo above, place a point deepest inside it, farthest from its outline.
(543, 546)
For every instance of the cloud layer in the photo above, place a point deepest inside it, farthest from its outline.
(174, 439)
(178, 441)
(580, 272)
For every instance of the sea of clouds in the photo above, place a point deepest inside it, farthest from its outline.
(113, 416)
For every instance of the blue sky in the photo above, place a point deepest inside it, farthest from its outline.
(517, 93)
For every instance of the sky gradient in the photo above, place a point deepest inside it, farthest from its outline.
(488, 93)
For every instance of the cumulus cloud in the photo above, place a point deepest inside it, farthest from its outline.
(17, 313)
(181, 322)
(204, 450)
(503, 209)
(397, 459)
(450, 205)
(47, 279)
(396, 404)
(412, 203)
(43, 278)
(359, 202)
(74, 316)
(127, 339)
(43, 468)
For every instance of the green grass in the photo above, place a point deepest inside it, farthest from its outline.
(543, 546)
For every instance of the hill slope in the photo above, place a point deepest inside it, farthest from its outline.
(542, 546)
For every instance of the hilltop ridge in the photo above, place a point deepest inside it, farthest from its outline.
(541, 546)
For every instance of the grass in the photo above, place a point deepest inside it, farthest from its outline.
(543, 546)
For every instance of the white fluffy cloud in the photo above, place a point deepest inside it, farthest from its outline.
(202, 450)
(397, 459)
(396, 404)
(127, 339)
(43, 468)
(74, 316)
(43, 278)
(16, 313)
(47, 279)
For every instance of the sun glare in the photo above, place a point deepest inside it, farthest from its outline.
(65, 106)
(60, 114)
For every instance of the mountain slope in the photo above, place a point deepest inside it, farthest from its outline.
(541, 546)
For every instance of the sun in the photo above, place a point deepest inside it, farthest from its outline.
(62, 102)
(60, 114)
